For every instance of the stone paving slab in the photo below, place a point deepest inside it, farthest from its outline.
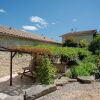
(62, 81)
(39, 90)
(86, 79)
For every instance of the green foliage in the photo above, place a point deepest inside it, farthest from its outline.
(69, 55)
(91, 58)
(95, 46)
(70, 43)
(69, 52)
(83, 43)
(46, 72)
(97, 36)
(97, 71)
(83, 52)
(83, 69)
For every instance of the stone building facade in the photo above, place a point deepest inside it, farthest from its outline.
(13, 37)
(81, 35)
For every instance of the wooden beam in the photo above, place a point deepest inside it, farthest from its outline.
(11, 54)
(14, 54)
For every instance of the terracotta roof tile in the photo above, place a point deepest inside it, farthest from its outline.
(18, 33)
(80, 33)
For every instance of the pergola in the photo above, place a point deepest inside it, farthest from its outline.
(28, 50)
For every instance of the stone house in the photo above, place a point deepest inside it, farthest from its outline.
(80, 35)
(13, 37)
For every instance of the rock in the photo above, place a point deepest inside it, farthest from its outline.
(39, 90)
(62, 81)
(86, 79)
(60, 75)
(72, 80)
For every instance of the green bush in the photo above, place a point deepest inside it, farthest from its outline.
(69, 55)
(95, 46)
(83, 69)
(97, 71)
(91, 58)
(83, 43)
(70, 43)
(46, 72)
(83, 52)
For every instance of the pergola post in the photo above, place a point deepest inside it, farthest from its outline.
(11, 68)
(11, 58)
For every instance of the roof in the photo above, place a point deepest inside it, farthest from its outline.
(8, 31)
(80, 33)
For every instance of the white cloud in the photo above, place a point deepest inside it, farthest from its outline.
(74, 20)
(39, 26)
(31, 28)
(2, 11)
(39, 23)
(38, 19)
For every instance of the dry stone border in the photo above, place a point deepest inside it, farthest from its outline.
(86, 79)
(37, 91)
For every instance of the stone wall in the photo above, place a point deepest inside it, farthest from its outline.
(19, 62)
(14, 41)
(77, 38)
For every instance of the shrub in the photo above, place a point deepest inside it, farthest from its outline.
(83, 43)
(46, 72)
(95, 46)
(69, 55)
(97, 71)
(91, 58)
(83, 69)
(82, 53)
(70, 43)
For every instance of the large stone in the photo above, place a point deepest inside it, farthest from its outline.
(72, 80)
(62, 81)
(86, 79)
(39, 90)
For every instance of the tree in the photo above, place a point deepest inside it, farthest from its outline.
(95, 46)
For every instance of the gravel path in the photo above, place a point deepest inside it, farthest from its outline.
(75, 91)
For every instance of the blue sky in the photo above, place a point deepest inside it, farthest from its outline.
(50, 17)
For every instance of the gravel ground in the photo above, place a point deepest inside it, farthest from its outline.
(75, 91)
(72, 91)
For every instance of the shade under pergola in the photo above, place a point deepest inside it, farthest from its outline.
(28, 50)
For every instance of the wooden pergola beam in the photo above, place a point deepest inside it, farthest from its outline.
(11, 58)
(11, 68)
